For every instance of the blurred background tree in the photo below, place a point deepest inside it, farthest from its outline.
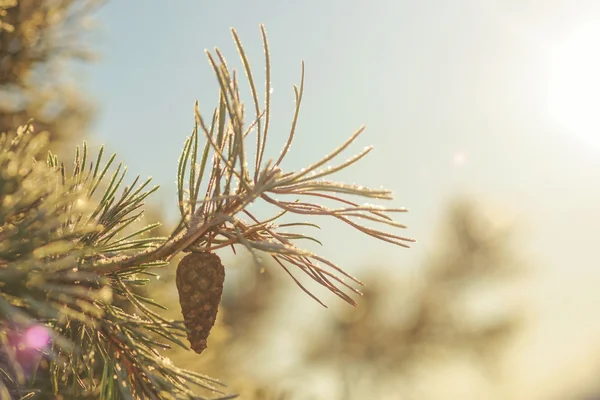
(40, 43)
(453, 309)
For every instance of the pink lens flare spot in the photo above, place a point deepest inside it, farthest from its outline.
(37, 337)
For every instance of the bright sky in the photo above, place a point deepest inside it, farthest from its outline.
(495, 99)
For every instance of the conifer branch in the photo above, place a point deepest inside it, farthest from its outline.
(70, 251)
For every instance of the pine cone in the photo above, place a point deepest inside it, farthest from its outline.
(199, 282)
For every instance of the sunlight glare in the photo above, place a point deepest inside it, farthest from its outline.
(573, 91)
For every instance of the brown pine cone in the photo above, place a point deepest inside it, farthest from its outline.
(199, 282)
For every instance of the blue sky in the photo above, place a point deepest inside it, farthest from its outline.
(433, 83)
(453, 95)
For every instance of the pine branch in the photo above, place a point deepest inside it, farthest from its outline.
(69, 251)
(210, 221)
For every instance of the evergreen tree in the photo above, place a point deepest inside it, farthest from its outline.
(434, 321)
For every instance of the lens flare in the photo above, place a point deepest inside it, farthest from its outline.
(37, 337)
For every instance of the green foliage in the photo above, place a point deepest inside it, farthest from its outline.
(70, 255)
(54, 232)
